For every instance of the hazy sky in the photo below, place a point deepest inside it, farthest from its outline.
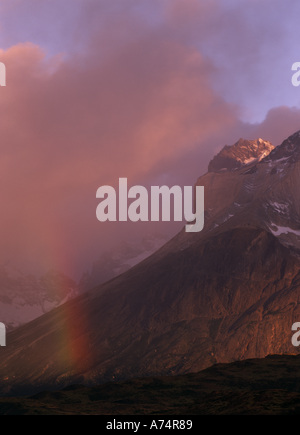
(144, 89)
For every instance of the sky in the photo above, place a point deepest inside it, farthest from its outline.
(144, 89)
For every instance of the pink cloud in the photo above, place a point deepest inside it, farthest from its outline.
(70, 125)
(137, 103)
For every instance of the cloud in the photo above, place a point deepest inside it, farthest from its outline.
(71, 124)
(280, 123)
(136, 99)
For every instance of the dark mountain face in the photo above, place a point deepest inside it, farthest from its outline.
(289, 151)
(228, 293)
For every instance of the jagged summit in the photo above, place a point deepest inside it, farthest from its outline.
(240, 154)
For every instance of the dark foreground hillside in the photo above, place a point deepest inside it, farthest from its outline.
(269, 386)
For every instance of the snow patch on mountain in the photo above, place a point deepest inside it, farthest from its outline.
(283, 230)
(281, 208)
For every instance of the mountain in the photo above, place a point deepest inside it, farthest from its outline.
(254, 387)
(240, 154)
(226, 294)
(24, 297)
(263, 194)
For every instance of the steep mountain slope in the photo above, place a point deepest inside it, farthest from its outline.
(229, 293)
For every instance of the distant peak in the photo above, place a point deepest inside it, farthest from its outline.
(242, 153)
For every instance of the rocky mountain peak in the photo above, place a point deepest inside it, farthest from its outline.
(240, 154)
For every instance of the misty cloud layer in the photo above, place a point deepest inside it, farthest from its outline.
(137, 91)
